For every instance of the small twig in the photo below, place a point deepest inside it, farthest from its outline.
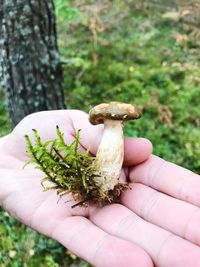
(82, 202)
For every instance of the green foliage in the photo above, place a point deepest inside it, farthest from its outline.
(144, 59)
(5, 125)
(65, 11)
(68, 170)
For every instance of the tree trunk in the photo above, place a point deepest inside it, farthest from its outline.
(30, 68)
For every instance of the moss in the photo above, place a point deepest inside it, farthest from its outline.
(68, 170)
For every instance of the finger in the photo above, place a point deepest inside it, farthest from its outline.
(168, 178)
(45, 123)
(69, 122)
(94, 245)
(136, 150)
(165, 248)
(179, 217)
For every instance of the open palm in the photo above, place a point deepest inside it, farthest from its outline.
(157, 223)
(22, 196)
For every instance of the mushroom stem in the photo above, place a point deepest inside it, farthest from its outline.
(110, 155)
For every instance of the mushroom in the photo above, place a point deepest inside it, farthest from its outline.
(110, 154)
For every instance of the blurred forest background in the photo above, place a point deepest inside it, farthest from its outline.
(142, 52)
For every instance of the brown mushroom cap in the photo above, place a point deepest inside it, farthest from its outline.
(113, 111)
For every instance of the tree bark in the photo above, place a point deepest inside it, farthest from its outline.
(30, 68)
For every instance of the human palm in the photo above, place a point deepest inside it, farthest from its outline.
(22, 196)
(156, 224)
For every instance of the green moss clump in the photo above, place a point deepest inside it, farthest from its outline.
(68, 170)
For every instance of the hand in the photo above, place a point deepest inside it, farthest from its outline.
(22, 196)
(162, 214)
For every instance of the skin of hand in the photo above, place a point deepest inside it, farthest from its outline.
(161, 213)
(156, 225)
(91, 232)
